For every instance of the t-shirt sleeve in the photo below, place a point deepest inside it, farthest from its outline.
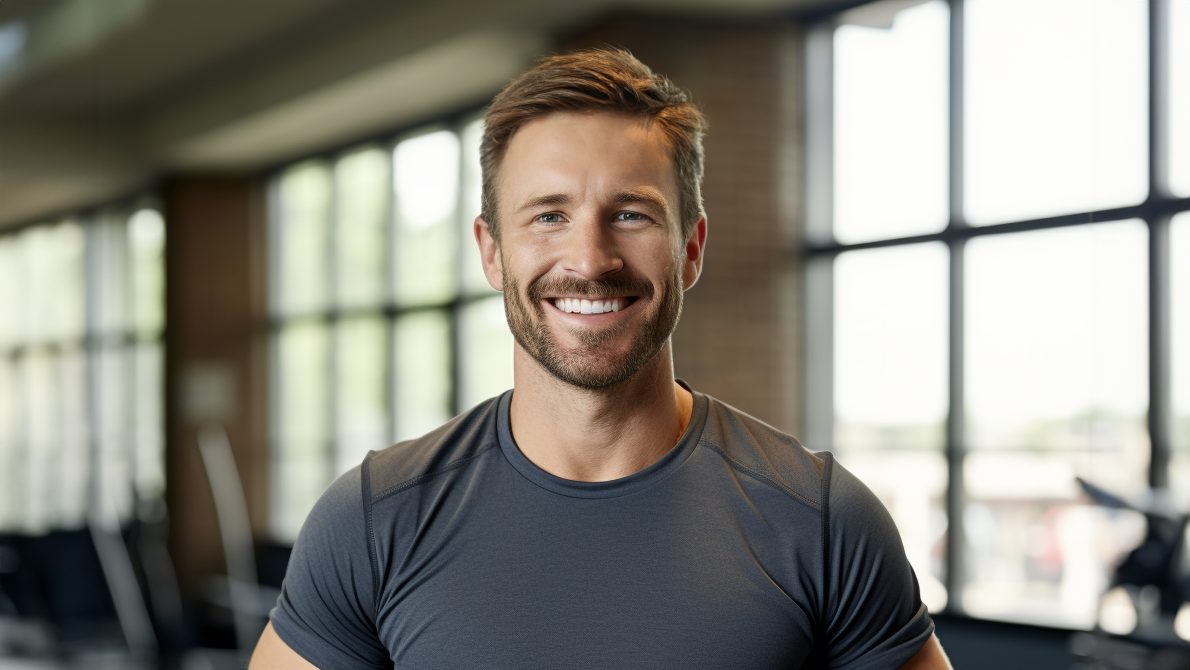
(874, 614)
(326, 611)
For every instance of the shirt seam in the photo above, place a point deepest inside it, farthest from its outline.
(427, 476)
(824, 493)
(366, 487)
(736, 465)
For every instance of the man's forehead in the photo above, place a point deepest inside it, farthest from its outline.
(618, 153)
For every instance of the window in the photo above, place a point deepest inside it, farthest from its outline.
(383, 325)
(997, 295)
(81, 431)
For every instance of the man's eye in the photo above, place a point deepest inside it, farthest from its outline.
(550, 218)
(630, 216)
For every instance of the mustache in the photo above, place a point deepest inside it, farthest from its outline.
(610, 287)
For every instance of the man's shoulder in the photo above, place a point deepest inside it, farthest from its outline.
(766, 453)
(446, 448)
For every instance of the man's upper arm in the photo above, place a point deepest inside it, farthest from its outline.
(929, 657)
(326, 611)
(273, 654)
(874, 615)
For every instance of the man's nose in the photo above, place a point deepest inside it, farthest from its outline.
(592, 250)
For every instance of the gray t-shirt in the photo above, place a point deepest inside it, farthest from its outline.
(738, 549)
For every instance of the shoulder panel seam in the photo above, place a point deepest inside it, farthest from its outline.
(825, 492)
(366, 480)
(736, 465)
(425, 477)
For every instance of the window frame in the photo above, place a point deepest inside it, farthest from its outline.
(820, 250)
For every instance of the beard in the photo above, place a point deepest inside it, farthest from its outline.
(590, 365)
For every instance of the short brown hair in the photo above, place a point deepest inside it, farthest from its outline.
(606, 79)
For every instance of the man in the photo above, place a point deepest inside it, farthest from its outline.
(600, 515)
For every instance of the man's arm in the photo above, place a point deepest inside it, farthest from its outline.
(273, 654)
(929, 657)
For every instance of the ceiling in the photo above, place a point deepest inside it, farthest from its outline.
(100, 97)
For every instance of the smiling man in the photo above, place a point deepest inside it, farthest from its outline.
(601, 514)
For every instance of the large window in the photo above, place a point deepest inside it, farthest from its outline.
(383, 324)
(998, 236)
(81, 369)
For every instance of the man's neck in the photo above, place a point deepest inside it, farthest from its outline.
(601, 435)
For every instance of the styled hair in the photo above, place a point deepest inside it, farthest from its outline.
(597, 80)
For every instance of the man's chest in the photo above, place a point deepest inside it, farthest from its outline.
(580, 584)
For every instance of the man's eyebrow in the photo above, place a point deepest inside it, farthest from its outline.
(644, 196)
(545, 201)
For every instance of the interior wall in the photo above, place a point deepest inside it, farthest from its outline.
(737, 339)
(216, 357)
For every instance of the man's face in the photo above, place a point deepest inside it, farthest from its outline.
(590, 259)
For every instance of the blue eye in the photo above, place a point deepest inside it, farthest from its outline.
(630, 216)
(550, 218)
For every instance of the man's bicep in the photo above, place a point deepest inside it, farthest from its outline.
(273, 654)
(929, 657)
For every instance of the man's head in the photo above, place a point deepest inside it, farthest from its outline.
(598, 234)
(598, 80)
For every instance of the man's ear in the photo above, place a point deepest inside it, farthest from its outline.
(489, 254)
(693, 252)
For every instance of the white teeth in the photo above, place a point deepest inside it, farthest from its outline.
(582, 306)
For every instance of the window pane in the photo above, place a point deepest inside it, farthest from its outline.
(52, 266)
(485, 355)
(1057, 107)
(111, 311)
(148, 425)
(300, 235)
(361, 203)
(1057, 387)
(146, 236)
(11, 294)
(1057, 338)
(891, 347)
(12, 458)
(422, 373)
(301, 460)
(112, 413)
(1180, 300)
(1033, 553)
(891, 122)
(360, 417)
(1179, 97)
(40, 419)
(426, 179)
(71, 486)
(473, 277)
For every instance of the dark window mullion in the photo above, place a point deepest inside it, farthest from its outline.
(1159, 415)
(955, 430)
(332, 446)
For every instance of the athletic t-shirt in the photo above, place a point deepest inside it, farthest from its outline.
(737, 549)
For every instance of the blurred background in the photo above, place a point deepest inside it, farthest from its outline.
(949, 241)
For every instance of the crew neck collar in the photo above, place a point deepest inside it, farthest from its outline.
(611, 488)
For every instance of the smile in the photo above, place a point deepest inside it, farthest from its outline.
(590, 306)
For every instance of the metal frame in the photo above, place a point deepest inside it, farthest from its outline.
(1156, 211)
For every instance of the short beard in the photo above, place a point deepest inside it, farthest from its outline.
(581, 367)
